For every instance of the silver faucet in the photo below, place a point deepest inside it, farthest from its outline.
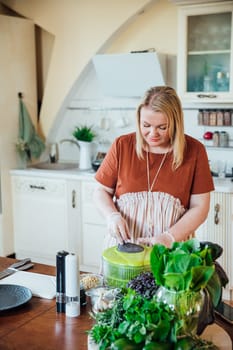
(71, 141)
(53, 152)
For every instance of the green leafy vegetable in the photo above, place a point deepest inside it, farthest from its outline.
(191, 266)
(185, 266)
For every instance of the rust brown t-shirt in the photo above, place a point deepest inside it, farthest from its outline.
(123, 171)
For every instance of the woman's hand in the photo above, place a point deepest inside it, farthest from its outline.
(118, 227)
(164, 238)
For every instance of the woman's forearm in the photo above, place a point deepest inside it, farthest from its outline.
(104, 201)
(193, 218)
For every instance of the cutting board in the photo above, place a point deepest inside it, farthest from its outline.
(43, 286)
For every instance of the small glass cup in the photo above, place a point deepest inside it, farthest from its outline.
(221, 169)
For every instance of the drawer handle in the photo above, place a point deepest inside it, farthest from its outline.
(216, 216)
(206, 95)
(35, 187)
(73, 199)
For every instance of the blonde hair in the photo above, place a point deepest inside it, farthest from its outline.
(164, 99)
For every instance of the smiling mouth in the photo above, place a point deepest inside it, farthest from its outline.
(153, 140)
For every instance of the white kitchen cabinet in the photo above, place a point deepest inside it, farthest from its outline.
(218, 228)
(46, 215)
(205, 53)
(93, 230)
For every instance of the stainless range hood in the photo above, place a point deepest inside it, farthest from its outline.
(131, 74)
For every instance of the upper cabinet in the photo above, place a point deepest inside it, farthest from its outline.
(205, 53)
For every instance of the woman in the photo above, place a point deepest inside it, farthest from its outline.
(154, 185)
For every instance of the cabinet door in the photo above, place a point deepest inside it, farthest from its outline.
(205, 62)
(93, 230)
(40, 218)
(73, 233)
(18, 74)
(218, 228)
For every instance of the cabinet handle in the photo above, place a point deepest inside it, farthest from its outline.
(73, 199)
(216, 216)
(34, 187)
(206, 95)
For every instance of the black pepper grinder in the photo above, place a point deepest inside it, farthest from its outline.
(60, 281)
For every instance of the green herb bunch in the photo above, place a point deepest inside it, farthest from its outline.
(137, 321)
(84, 133)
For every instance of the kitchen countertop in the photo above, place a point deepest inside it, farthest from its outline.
(74, 173)
(224, 185)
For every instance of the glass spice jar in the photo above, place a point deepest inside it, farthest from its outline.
(227, 118)
(219, 117)
(223, 139)
(216, 139)
(213, 118)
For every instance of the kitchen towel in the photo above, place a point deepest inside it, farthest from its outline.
(43, 286)
(29, 143)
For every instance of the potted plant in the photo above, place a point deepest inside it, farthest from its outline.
(84, 135)
(143, 322)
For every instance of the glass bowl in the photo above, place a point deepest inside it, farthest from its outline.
(91, 280)
(102, 298)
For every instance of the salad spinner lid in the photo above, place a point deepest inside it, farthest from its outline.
(114, 256)
(129, 247)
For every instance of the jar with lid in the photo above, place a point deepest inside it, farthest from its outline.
(227, 117)
(216, 139)
(200, 117)
(205, 117)
(231, 113)
(219, 117)
(213, 118)
(223, 139)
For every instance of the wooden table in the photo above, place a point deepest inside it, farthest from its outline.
(37, 326)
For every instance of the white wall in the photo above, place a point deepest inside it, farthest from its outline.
(81, 28)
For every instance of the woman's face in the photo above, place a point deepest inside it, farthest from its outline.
(154, 129)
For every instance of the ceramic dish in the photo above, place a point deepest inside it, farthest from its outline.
(12, 296)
